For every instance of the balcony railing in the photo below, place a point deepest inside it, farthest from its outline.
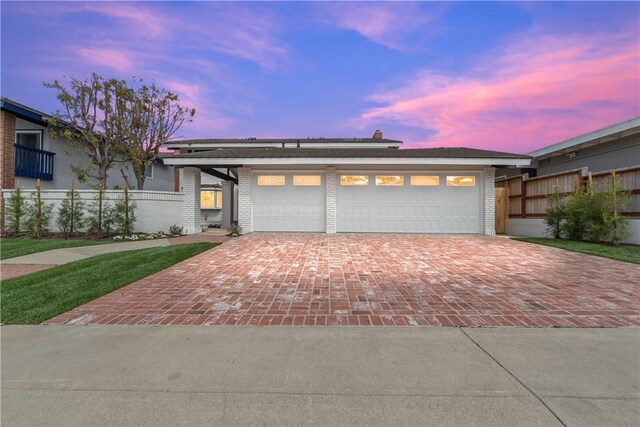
(33, 163)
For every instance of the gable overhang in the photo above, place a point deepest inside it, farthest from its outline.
(600, 136)
(370, 161)
(22, 112)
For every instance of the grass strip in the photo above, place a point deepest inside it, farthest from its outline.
(39, 296)
(620, 253)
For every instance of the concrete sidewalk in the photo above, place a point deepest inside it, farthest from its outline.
(65, 255)
(126, 375)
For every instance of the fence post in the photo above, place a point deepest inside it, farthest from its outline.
(523, 197)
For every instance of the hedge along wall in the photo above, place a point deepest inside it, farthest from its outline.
(155, 210)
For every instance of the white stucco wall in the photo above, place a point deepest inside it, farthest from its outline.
(67, 155)
(155, 210)
(536, 227)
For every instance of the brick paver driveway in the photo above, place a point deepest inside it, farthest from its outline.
(377, 279)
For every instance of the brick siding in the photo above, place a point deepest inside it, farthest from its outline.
(8, 134)
(244, 199)
(489, 201)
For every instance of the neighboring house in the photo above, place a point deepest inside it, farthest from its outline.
(613, 147)
(342, 185)
(29, 153)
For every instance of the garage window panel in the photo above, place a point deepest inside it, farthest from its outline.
(461, 181)
(271, 180)
(425, 180)
(309, 180)
(354, 180)
(389, 180)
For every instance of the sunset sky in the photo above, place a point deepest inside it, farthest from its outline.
(504, 76)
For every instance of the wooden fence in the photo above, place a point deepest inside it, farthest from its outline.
(527, 197)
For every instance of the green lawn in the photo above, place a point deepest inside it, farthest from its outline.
(36, 297)
(13, 247)
(622, 253)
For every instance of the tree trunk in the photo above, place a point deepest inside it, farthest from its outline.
(102, 175)
(140, 182)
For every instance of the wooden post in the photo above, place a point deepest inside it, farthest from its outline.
(523, 196)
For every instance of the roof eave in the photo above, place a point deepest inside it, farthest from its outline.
(289, 161)
(628, 127)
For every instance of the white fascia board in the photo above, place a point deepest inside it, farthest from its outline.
(182, 161)
(601, 133)
(205, 147)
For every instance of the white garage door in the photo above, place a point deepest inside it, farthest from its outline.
(288, 202)
(408, 203)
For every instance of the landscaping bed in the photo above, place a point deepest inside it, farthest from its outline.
(36, 297)
(628, 253)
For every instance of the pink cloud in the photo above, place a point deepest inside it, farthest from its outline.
(117, 59)
(385, 23)
(143, 20)
(536, 91)
(208, 119)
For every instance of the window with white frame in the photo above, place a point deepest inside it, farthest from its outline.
(148, 173)
(29, 138)
(210, 199)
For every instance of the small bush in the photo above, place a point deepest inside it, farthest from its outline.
(175, 230)
(14, 211)
(556, 212)
(235, 230)
(38, 215)
(125, 215)
(70, 216)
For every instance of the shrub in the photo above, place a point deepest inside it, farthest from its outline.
(577, 215)
(125, 213)
(15, 211)
(556, 212)
(38, 214)
(101, 215)
(175, 230)
(619, 200)
(235, 230)
(71, 213)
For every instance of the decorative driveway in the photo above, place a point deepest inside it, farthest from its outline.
(377, 279)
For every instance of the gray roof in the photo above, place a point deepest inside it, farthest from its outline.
(268, 153)
(249, 141)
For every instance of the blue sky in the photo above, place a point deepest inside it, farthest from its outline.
(504, 76)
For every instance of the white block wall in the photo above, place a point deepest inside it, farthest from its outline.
(489, 192)
(244, 199)
(155, 210)
(227, 203)
(330, 214)
(191, 206)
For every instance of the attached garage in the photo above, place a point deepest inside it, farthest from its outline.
(349, 184)
(288, 202)
(408, 202)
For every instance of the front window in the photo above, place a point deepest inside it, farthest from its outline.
(148, 173)
(354, 180)
(461, 181)
(29, 138)
(210, 199)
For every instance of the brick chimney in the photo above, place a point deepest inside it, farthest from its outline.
(377, 134)
(8, 135)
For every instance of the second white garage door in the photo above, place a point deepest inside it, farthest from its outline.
(288, 202)
(408, 203)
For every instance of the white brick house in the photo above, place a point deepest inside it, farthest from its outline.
(344, 185)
